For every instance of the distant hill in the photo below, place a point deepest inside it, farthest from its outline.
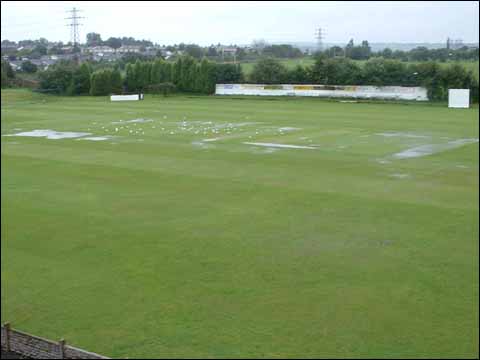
(374, 46)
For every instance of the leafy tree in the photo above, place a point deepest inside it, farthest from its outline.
(420, 53)
(160, 72)
(29, 67)
(10, 74)
(113, 42)
(105, 82)
(116, 82)
(299, 75)
(212, 51)
(142, 74)
(381, 72)
(4, 79)
(57, 78)
(349, 48)
(341, 71)
(165, 88)
(7, 73)
(81, 79)
(387, 53)
(55, 50)
(241, 54)
(400, 55)
(131, 79)
(334, 51)
(228, 73)
(268, 71)
(38, 51)
(194, 51)
(206, 78)
(282, 51)
(94, 39)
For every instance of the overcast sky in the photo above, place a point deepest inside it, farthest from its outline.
(241, 22)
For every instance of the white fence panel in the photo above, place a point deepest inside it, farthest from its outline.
(133, 97)
(350, 91)
(458, 98)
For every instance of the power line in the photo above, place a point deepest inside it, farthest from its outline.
(74, 32)
(320, 35)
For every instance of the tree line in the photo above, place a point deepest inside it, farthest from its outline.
(186, 74)
(95, 39)
(376, 71)
(420, 53)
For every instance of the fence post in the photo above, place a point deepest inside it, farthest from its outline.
(6, 326)
(61, 345)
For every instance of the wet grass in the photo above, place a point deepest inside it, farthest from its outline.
(160, 245)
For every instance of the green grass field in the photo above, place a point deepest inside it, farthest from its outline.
(158, 243)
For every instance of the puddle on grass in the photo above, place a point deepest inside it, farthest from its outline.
(96, 138)
(430, 149)
(141, 120)
(401, 134)
(202, 145)
(267, 150)
(288, 128)
(51, 134)
(273, 145)
(400, 176)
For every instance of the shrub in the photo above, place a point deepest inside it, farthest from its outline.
(165, 88)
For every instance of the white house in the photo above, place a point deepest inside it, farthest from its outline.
(101, 50)
(128, 48)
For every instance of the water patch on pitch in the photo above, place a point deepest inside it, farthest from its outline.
(202, 145)
(96, 138)
(400, 176)
(269, 150)
(288, 128)
(287, 146)
(141, 120)
(51, 134)
(430, 149)
(401, 134)
(263, 150)
(233, 125)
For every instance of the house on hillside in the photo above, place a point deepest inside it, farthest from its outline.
(128, 49)
(101, 51)
(229, 51)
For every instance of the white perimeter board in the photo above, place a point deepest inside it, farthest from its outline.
(458, 98)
